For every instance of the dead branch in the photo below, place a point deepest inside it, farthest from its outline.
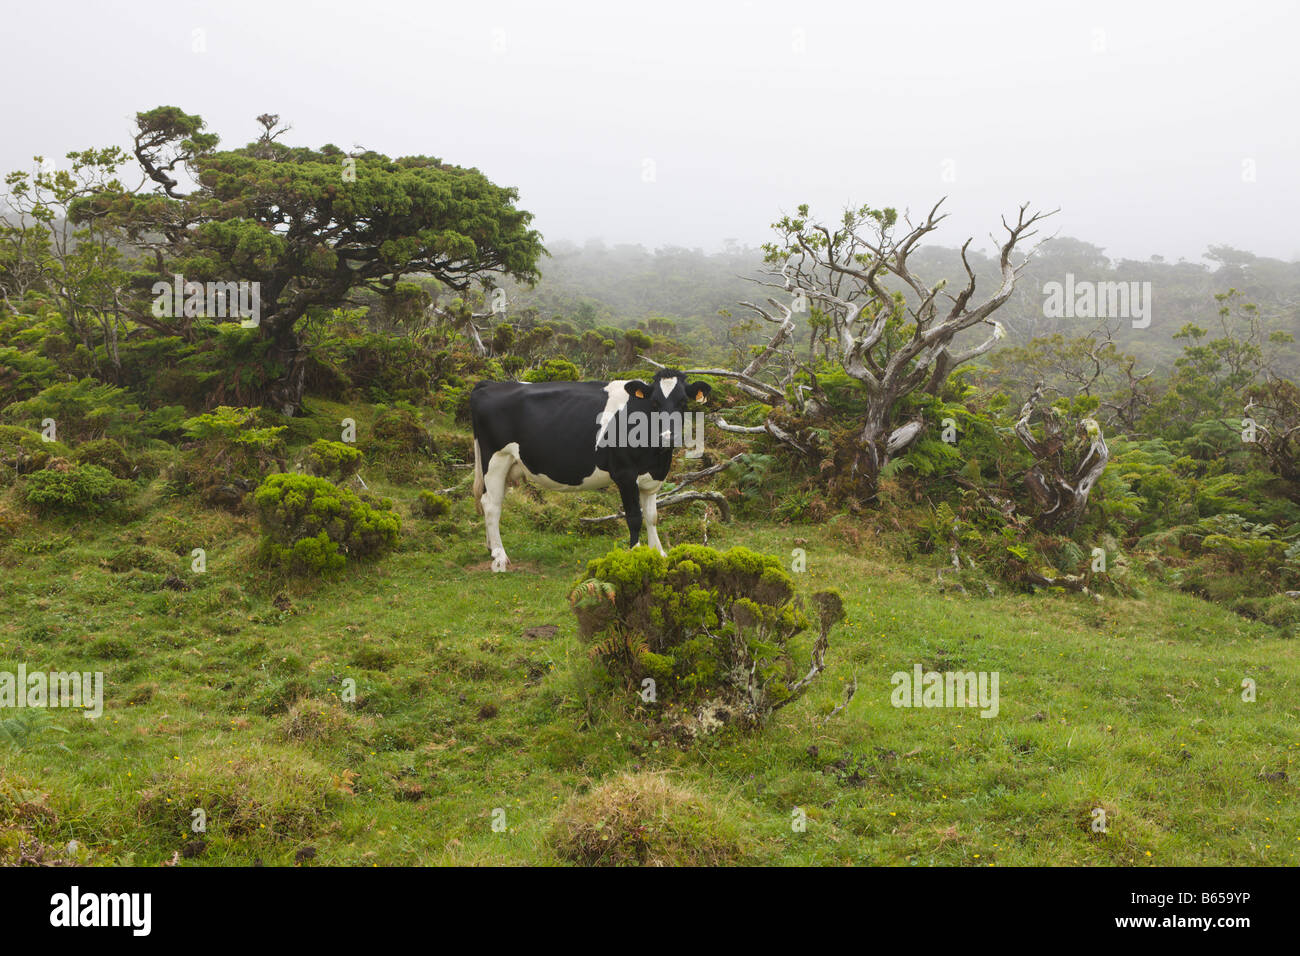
(672, 500)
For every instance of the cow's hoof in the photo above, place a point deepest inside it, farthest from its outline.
(500, 563)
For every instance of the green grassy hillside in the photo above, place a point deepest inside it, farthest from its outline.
(225, 691)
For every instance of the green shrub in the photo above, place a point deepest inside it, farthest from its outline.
(82, 410)
(76, 488)
(23, 451)
(333, 459)
(108, 454)
(23, 374)
(230, 454)
(397, 431)
(702, 623)
(431, 505)
(311, 525)
(554, 370)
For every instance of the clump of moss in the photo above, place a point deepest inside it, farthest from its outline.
(644, 820)
(702, 623)
(310, 525)
(398, 431)
(314, 719)
(23, 451)
(242, 792)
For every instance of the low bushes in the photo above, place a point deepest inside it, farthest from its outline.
(333, 459)
(702, 623)
(431, 505)
(87, 489)
(310, 525)
(228, 454)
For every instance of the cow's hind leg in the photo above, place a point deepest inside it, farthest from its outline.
(650, 511)
(631, 496)
(494, 493)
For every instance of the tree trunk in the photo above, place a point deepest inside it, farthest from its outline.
(285, 394)
(1060, 491)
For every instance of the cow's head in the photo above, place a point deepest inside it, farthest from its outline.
(667, 393)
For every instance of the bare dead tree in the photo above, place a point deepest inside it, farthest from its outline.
(893, 340)
(1065, 469)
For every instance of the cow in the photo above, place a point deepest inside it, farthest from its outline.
(572, 436)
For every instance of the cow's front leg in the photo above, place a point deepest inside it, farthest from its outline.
(650, 511)
(631, 495)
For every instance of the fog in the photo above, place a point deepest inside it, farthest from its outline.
(690, 123)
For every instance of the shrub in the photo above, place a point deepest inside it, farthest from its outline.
(106, 453)
(82, 410)
(431, 505)
(24, 451)
(78, 488)
(644, 820)
(333, 459)
(231, 453)
(702, 623)
(554, 370)
(311, 525)
(398, 431)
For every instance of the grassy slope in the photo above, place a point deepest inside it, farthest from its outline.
(1133, 705)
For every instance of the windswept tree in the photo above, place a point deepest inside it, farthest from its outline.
(309, 226)
(894, 333)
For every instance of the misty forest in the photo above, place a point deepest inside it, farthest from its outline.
(236, 480)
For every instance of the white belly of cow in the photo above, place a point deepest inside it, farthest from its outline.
(597, 479)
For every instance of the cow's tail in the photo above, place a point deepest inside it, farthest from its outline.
(479, 486)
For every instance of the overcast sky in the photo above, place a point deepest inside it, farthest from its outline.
(1155, 131)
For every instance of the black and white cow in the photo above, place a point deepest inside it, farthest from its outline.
(571, 436)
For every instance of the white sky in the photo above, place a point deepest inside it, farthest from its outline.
(1135, 119)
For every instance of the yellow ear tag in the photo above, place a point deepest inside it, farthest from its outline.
(640, 394)
(699, 396)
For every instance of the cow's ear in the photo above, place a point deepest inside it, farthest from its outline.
(637, 388)
(698, 391)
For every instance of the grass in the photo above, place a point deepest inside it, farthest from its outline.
(478, 733)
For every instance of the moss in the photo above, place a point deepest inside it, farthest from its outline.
(644, 820)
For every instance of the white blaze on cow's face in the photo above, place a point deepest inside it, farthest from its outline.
(615, 398)
(667, 385)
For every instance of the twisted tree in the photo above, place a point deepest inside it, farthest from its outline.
(1066, 465)
(894, 333)
(309, 226)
